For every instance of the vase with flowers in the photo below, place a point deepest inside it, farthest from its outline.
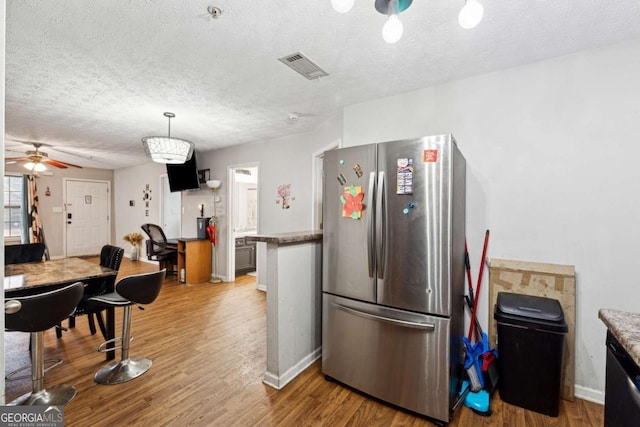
(134, 239)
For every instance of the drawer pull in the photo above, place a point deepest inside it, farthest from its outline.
(430, 327)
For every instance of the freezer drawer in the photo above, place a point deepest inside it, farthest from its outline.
(397, 356)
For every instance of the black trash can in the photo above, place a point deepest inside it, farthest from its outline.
(531, 332)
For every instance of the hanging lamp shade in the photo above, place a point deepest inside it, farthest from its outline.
(166, 149)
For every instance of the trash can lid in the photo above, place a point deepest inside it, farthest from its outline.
(530, 311)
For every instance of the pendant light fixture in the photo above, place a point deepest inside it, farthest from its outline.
(471, 14)
(165, 149)
(469, 17)
(392, 30)
(342, 6)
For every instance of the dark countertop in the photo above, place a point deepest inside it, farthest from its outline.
(286, 238)
(625, 327)
(50, 273)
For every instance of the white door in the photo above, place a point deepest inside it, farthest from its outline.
(170, 210)
(87, 219)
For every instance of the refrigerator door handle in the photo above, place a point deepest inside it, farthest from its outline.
(370, 223)
(381, 221)
(429, 327)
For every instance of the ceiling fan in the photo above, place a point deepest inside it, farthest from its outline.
(36, 160)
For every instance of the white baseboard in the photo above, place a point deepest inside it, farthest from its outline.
(278, 383)
(590, 394)
(261, 287)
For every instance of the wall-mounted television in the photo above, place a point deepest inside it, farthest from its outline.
(183, 176)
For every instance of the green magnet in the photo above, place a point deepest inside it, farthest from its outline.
(342, 162)
(405, 211)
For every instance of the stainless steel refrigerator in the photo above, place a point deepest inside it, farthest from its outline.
(393, 271)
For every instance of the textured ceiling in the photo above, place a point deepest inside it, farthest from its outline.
(90, 78)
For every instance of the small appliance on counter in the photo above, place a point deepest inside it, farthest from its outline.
(202, 228)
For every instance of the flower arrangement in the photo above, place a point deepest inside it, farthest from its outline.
(133, 238)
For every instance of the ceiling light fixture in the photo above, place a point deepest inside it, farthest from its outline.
(392, 30)
(469, 17)
(471, 14)
(35, 166)
(165, 149)
(342, 6)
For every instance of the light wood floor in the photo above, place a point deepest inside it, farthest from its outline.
(208, 345)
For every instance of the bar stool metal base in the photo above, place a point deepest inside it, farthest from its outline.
(123, 370)
(58, 395)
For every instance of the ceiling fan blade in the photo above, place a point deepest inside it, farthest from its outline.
(16, 159)
(60, 164)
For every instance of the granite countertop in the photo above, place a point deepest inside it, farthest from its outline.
(286, 238)
(54, 272)
(625, 327)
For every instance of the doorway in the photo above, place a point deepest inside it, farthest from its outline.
(87, 221)
(170, 210)
(243, 218)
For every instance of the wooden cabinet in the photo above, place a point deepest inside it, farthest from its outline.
(245, 256)
(194, 256)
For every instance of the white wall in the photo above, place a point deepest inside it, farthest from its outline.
(285, 160)
(129, 184)
(282, 161)
(53, 223)
(552, 169)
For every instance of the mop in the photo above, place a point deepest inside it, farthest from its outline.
(477, 399)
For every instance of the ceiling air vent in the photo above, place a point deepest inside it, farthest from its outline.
(303, 65)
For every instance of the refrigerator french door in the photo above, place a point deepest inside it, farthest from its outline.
(393, 271)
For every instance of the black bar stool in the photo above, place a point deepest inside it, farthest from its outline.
(136, 289)
(35, 314)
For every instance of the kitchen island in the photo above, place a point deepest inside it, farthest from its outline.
(294, 304)
(622, 388)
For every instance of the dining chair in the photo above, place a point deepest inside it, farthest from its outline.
(110, 257)
(27, 252)
(35, 314)
(129, 291)
(158, 248)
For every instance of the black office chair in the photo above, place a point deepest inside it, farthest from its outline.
(136, 289)
(110, 257)
(28, 252)
(158, 248)
(35, 314)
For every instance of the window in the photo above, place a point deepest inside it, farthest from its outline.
(14, 208)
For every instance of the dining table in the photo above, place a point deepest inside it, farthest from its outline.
(36, 277)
